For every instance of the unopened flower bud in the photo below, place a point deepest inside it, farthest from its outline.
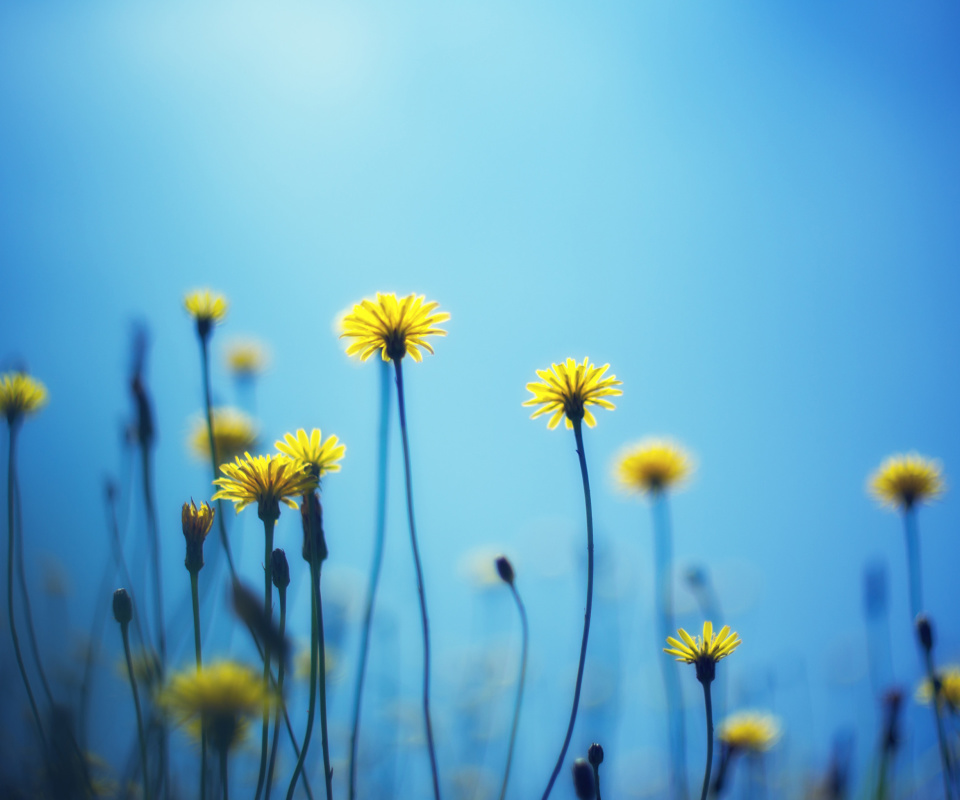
(583, 782)
(281, 570)
(925, 632)
(505, 569)
(595, 755)
(196, 523)
(311, 515)
(122, 607)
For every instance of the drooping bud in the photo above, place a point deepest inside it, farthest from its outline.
(122, 607)
(311, 515)
(595, 755)
(583, 782)
(196, 524)
(925, 632)
(505, 569)
(281, 570)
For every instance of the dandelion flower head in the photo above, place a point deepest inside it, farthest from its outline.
(207, 307)
(265, 480)
(321, 458)
(234, 433)
(568, 389)
(220, 697)
(652, 466)
(20, 395)
(750, 731)
(906, 479)
(949, 688)
(246, 358)
(394, 327)
(703, 651)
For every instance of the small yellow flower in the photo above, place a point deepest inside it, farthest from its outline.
(265, 480)
(750, 731)
(233, 433)
(196, 523)
(949, 689)
(905, 479)
(568, 389)
(703, 651)
(394, 327)
(220, 698)
(207, 308)
(246, 358)
(322, 458)
(20, 395)
(652, 465)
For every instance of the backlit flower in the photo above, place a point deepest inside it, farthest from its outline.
(233, 433)
(220, 698)
(750, 731)
(246, 358)
(20, 395)
(207, 308)
(568, 389)
(949, 688)
(265, 480)
(322, 458)
(196, 524)
(394, 327)
(652, 465)
(905, 479)
(703, 651)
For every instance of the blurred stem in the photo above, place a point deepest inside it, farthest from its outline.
(578, 434)
(224, 772)
(398, 366)
(124, 632)
(935, 686)
(282, 592)
(11, 478)
(374, 570)
(663, 560)
(195, 595)
(268, 526)
(709, 706)
(523, 676)
(324, 741)
(314, 648)
(913, 560)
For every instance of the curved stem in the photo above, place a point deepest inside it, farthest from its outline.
(282, 592)
(268, 525)
(195, 596)
(523, 677)
(397, 363)
(709, 705)
(11, 477)
(374, 571)
(913, 561)
(577, 432)
(312, 707)
(136, 702)
(324, 741)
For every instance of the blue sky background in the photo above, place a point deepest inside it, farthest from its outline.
(749, 212)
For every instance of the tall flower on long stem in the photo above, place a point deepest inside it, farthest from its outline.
(568, 390)
(20, 395)
(651, 468)
(704, 653)
(397, 328)
(266, 481)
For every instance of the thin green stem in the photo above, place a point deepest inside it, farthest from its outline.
(324, 740)
(397, 363)
(195, 596)
(11, 477)
(124, 626)
(314, 648)
(706, 773)
(941, 734)
(224, 772)
(374, 571)
(154, 539)
(268, 526)
(282, 592)
(523, 676)
(578, 434)
(913, 561)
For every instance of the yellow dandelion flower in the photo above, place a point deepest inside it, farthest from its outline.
(703, 651)
(652, 465)
(207, 308)
(246, 358)
(568, 389)
(949, 688)
(221, 697)
(394, 327)
(196, 523)
(750, 731)
(265, 480)
(905, 479)
(20, 395)
(322, 458)
(234, 433)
